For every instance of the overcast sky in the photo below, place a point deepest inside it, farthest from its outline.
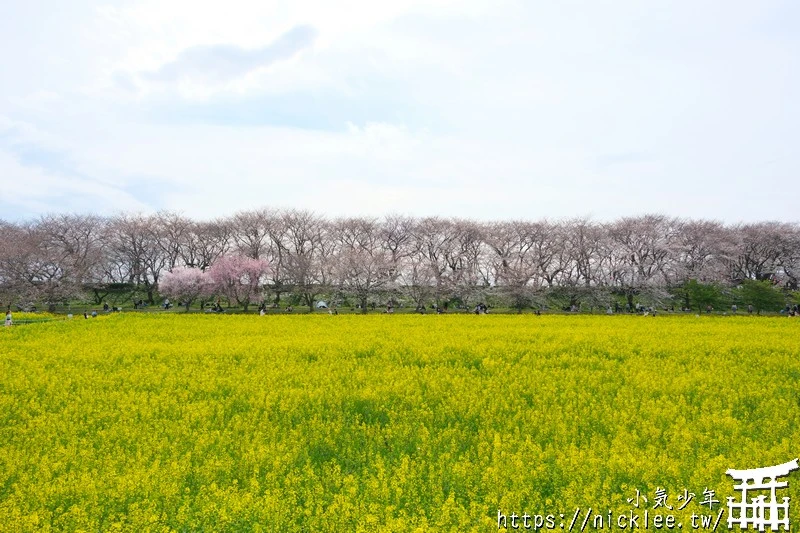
(489, 110)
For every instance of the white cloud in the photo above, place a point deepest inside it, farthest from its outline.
(36, 190)
(494, 109)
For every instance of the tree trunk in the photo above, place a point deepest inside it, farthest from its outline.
(97, 298)
(309, 299)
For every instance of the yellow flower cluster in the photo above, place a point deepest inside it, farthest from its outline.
(382, 423)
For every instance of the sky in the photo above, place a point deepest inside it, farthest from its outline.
(488, 110)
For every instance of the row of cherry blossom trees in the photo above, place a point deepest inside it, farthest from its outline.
(275, 254)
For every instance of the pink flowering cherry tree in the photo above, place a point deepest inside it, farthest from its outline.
(239, 278)
(186, 285)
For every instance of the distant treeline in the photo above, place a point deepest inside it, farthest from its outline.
(652, 260)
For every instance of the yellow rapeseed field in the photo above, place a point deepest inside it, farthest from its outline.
(386, 423)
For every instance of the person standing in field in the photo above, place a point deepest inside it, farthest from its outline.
(8, 318)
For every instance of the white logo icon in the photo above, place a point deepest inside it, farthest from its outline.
(758, 511)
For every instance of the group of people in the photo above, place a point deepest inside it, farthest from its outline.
(215, 308)
(792, 310)
(262, 308)
(734, 309)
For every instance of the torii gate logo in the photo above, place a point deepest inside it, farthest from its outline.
(759, 512)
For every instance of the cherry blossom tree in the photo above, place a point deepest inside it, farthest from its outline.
(239, 278)
(514, 261)
(186, 285)
(308, 256)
